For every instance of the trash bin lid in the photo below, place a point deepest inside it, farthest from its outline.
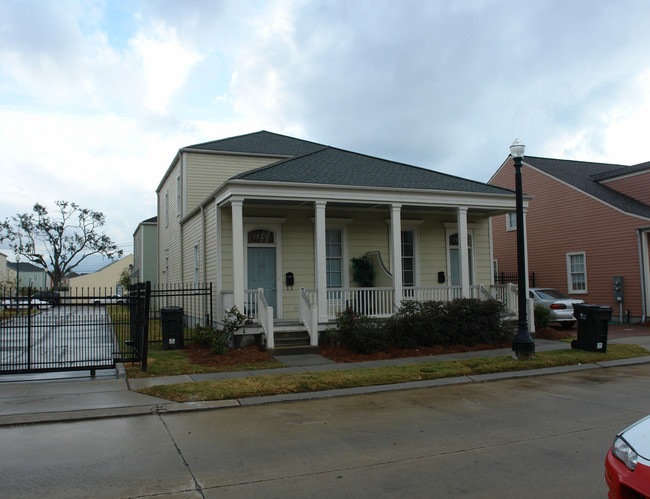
(171, 309)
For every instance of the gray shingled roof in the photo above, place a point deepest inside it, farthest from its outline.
(262, 142)
(585, 176)
(25, 267)
(332, 166)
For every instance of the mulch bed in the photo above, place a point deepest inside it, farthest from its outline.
(338, 354)
(204, 356)
(253, 354)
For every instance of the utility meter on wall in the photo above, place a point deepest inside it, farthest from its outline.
(618, 289)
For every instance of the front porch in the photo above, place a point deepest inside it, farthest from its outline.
(373, 302)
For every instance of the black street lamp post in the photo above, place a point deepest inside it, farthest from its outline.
(523, 346)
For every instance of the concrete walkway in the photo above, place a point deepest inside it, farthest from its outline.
(75, 396)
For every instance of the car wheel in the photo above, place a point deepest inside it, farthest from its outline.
(567, 324)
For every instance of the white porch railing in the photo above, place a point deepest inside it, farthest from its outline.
(265, 315)
(309, 316)
(434, 293)
(507, 294)
(377, 302)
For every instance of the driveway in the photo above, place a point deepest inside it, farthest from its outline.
(61, 337)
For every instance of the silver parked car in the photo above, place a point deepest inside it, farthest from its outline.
(20, 303)
(559, 304)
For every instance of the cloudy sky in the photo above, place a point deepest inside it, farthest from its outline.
(96, 96)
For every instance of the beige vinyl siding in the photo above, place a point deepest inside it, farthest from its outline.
(169, 230)
(297, 257)
(192, 236)
(103, 281)
(205, 172)
(368, 231)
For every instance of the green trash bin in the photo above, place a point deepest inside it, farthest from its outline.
(593, 323)
(171, 319)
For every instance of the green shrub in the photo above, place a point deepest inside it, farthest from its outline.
(360, 333)
(542, 317)
(464, 321)
(220, 340)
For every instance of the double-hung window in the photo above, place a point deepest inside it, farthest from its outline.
(334, 256)
(576, 264)
(408, 258)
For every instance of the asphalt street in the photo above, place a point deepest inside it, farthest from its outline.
(541, 437)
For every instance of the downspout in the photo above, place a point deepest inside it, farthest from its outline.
(639, 234)
(203, 241)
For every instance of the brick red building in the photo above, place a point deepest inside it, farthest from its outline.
(586, 224)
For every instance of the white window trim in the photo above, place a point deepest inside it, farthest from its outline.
(568, 273)
(453, 229)
(416, 252)
(345, 261)
(511, 221)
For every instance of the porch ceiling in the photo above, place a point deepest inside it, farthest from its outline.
(367, 206)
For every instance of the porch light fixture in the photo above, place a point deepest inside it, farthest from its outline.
(523, 346)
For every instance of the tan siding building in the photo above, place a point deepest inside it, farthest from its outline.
(271, 214)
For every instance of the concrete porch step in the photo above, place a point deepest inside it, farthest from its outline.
(291, 339)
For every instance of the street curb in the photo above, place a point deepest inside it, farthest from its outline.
(177, 407)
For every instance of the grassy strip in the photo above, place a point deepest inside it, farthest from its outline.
(308, 382)
(172, 362)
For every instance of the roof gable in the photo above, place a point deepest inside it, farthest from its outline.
(332, 166)
(261, 142)
(586, 176)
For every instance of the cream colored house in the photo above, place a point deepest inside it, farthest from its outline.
(274, 221)
(103, 282)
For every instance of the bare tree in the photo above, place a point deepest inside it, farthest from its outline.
(58, 244)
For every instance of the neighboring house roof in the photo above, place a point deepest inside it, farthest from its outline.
(332, 166)
(151, 220)
(262, 142)
(25, 267)
(585, 176)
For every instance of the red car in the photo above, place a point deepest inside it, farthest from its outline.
(627, 466)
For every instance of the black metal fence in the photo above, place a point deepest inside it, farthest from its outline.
(90, 329)
(511, 277)
(86, 329)
(196, 302)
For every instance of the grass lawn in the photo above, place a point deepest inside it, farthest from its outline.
(312, 381)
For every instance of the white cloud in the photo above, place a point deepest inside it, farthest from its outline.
(164, 62)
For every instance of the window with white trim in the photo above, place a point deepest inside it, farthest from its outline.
(511, 221)
(334, 257)
(576, 264)
(408, 258)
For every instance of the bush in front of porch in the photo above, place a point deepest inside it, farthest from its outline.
(464, 321)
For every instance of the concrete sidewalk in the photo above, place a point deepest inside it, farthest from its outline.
(72, 396)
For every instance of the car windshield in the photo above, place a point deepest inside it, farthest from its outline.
(550, 294)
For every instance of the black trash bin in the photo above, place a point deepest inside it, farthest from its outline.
(593, 321)
(171, 319)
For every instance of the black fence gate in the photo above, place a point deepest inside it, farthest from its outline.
(77, 330)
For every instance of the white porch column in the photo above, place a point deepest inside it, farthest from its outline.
(321, 260)
(396, 251)
(238, 252)
(463, 252)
